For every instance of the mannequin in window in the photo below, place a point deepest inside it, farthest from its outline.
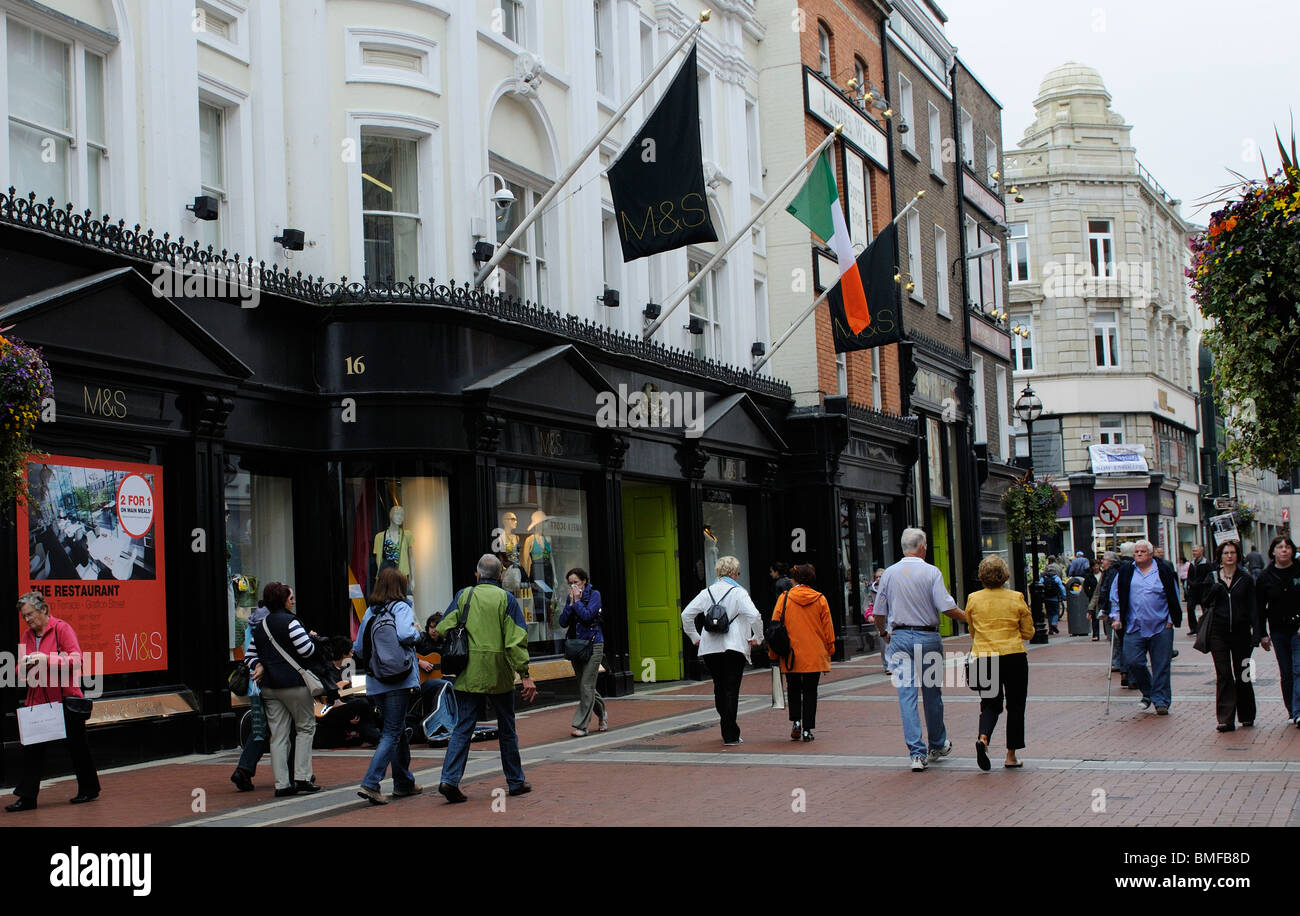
(509, 539)
(393, 544)
(538, 563)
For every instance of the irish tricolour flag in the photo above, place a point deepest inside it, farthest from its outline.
(817, 206)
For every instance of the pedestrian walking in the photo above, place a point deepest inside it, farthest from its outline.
(1198, 575)
(1053, 596)
(258, 739)
(389, 618)
(583, 617)
(780, 575)
(725, 649)
(1144, 601)
(1117, 636)
(1254, 562)
(1278, 602)
(807, 619)
(912, 596)
(1098, 604)
(1234, 629)
(498, 650)
(1000, 622)
(279, 655)
(1078, 566)
(50, 661)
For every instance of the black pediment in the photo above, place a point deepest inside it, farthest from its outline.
(557, 379)
(116, 320)
(737, 421)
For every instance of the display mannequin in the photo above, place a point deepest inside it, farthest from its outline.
(538, 563)
(509, 539)
(393, 545)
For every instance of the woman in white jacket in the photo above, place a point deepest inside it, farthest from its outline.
(725, 652)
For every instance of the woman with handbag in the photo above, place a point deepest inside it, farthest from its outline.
(282, 651)
(807, 620)
(1000, 622)
(51, 663)
(1278, 596)
(585, 648)
(1232, 623)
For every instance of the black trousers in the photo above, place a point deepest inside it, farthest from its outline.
(1234, 694)
(1013, 684)
(34, 761)
(727, 669)
(801, 697)
(1191, 616)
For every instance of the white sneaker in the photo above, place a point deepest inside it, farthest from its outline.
(1144, 703)
(919, 764)
(937, 752)
(733, 743)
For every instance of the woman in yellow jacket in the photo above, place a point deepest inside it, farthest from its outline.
(1000, 623)
(812, 641)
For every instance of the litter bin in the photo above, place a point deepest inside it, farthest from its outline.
(1076, 606)
(1036, 593)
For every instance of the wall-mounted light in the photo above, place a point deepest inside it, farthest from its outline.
(757, 348)
(902, 127)
(483, 252)
(652, 310)
(291, 239)
(610, 298)
(1015, 194)
(205, 207)
(696, 325)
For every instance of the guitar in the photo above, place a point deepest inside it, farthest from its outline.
(434, 659)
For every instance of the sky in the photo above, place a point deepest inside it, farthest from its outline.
(1203, 83)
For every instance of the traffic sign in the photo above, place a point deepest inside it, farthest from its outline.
(1109, 511)
(1286, 514)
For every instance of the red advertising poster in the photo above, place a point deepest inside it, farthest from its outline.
(90, 539)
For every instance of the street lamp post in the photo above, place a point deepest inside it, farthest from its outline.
(1029, 408)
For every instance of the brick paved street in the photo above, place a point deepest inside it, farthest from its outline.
(662, 764)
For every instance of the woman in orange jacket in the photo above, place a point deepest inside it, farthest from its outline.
(812, 640)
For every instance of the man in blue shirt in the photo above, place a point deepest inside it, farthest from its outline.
(1143, 603)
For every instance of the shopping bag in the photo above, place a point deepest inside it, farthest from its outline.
(41, 723)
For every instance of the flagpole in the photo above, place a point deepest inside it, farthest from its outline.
(679, 296)
(789, 332)
(504, 248)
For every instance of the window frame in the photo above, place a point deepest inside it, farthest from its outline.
(936, 138)
(824, 62)
(1018, 244)
(395, 214)
(905, 99)
(968, 139)
(539, 249)
(941, 305)
(1099, 243)
(1021, 345)
(709, 344)
(915, 263)
(606, 78)
(212, 232)
(1110, 433)
(1110, 357)
(979, 412)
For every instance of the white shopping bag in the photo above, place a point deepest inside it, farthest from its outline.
(41, 723)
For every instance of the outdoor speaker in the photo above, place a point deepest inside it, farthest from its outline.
(206, 207)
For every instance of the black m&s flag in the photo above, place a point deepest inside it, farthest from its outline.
(658, 182)
(876, 266)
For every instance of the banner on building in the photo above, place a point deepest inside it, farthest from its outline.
(90, 539)
(1118, 459)
(875, 267)
(658, 181)
(1225, 529)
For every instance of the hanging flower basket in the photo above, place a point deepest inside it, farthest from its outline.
(1031, 508)
(24, 385)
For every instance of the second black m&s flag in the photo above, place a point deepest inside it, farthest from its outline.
(658, 181)
(876, 268)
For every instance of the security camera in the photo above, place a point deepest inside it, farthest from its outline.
(502, 199)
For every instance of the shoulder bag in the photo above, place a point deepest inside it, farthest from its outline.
(1204, 629)
(77, 706)
(309, 679)
(455, 650)
(778, 636)
(577, 650)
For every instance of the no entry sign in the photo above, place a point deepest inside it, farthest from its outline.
(1109, 511)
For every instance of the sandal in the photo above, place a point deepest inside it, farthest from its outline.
(604, 725)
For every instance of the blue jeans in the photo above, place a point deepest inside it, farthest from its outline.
(903, 648)
(257, 743)
(1153, 684)
(469, 708)
(393, 747)
(1287, 647)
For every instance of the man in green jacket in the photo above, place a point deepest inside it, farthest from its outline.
(498, 649)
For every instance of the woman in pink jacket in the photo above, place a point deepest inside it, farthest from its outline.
(51, 662)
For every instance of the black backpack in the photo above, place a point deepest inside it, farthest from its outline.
(715, 618)
(778, 637)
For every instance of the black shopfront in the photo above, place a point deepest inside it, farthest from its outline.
(331, 430)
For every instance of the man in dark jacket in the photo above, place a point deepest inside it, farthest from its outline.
(1198, 577)
(1143, 601)
(1254, 562)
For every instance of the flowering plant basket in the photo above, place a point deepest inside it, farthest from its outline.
(1245, 276)
(1031, 508)
(25, 383)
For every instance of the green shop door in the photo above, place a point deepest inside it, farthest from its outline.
(939, 556)
(654, 620)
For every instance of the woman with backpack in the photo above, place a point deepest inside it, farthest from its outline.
(806, 617)
(281, 651)
(385, 644)
(1053, 596)
(732, 626)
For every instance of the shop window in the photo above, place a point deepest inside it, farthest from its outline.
(259, 542)
(726, 534)
(403, 522)
(543, 532)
